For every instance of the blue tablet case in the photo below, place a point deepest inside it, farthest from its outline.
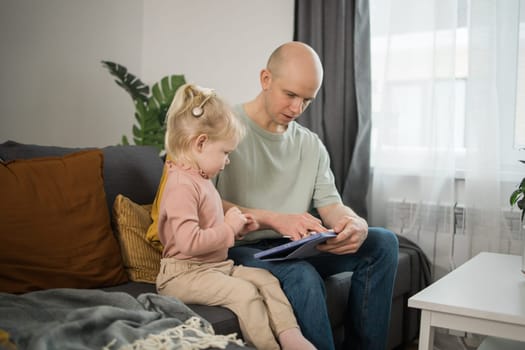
(299, 249)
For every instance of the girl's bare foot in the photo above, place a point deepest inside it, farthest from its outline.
(293, 339)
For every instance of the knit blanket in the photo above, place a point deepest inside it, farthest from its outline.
(95, 319)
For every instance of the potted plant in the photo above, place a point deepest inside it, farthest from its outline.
(518, 198)
(151, 105)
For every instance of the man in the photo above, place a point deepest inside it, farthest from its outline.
(278, 173)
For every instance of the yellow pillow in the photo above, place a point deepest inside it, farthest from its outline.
(55, 230)
(141, 259)
(153, 230)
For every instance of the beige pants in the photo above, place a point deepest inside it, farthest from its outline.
(253, 294)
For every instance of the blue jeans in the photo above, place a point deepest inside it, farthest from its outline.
(367, 318)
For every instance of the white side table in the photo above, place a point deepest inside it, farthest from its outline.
(493, 343)
(485, 295)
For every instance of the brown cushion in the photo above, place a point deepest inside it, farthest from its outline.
(55, 229)
(132, 170)
(141, 259)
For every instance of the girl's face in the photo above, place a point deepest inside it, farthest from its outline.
(212, 156)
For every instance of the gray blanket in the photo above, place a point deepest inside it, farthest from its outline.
(95, 319)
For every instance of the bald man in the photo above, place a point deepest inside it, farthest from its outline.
(279, 173)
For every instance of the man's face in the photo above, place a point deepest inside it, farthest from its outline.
(288, 95)
(289, 104)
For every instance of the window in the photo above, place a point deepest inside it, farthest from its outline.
(420, 82)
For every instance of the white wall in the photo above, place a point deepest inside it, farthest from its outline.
(54, 91)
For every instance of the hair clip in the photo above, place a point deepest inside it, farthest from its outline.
(199, 111)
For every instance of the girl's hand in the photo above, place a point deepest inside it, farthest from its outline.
(235, 219)
(250, 225)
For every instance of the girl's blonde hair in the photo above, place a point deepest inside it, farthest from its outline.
(195, 111)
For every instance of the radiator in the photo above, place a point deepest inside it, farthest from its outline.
(440, 230)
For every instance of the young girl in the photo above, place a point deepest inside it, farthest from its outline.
(196, 234)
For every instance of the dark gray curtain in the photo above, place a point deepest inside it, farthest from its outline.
(339, 30)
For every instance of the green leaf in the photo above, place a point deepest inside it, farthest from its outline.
(515, 196)
(162, 94)
(150, 111)
(147, 131)
(138, 90)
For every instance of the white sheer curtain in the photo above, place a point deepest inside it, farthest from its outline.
(443, 81)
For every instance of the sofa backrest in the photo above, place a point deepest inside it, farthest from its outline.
(133, 171)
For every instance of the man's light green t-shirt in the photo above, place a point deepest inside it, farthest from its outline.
(287, 173)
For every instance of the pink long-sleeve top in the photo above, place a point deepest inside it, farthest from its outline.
(191, 218)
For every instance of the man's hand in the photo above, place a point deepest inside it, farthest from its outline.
(297, 226)
(351, 233)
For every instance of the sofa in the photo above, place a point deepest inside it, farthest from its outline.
(125, 190)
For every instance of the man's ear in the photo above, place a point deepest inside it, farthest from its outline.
(266, 78)
(200, 141)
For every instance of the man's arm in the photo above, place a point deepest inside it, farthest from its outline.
(294, 225)
(351, 229)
